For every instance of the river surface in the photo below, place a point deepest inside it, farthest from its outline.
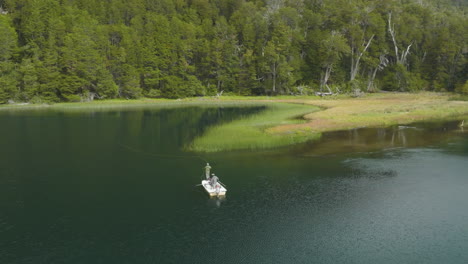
(117, 187)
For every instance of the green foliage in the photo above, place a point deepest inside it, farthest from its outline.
(416, 83)
(153, 93)
(8, 47)
(175, 87)
(463, 89)
(73, 98)
(105, 86)
(8, 81)
(354, 87)
(129, 83)
(62, 50)
(397, 78)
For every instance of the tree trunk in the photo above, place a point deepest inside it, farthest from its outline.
(370, 84)
(218, 86)
(355, 62)
(391, 29)
(382, 64)
(325, 77)
(273, 72)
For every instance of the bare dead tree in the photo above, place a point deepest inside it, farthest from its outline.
(274, 5)
(3, 11)
(383, 62)
(355, 61)
(274, 73)
(325, 77)
(401, 58)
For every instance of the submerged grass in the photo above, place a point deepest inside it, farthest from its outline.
(252, 132)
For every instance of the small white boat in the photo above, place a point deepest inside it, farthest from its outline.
(212, 184)
(214, 190)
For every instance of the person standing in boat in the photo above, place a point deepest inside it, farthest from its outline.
(207, 171)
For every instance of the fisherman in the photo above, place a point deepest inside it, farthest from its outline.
(214, 180)
(207, 171)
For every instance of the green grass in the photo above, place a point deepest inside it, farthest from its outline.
(459, 97)
(252, 132)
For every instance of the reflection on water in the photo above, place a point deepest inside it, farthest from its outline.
(215, 201)
(373, 139)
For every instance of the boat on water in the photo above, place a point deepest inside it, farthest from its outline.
(212, 185)
(217, 190)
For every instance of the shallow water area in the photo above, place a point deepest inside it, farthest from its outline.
(118, 187)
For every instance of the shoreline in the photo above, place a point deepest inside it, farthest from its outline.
(325, 115)
(380, 110)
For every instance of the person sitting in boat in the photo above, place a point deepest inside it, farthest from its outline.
(207, 171)
(214, 180)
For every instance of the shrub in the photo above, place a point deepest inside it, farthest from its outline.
(302, 90)
(463, 89)
(73, 98)
(176, 87)
(43, 100)
(154, 93)
(416, 83)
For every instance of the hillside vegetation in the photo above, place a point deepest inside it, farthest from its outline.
(80, 50)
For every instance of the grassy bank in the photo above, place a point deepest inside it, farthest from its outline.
(252, 132)
(378, 110)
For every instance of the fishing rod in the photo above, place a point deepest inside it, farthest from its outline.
(222, 184)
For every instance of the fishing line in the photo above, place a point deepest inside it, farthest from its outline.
(168, 157)
(161, 155)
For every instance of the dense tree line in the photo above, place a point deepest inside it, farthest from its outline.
(73, 50)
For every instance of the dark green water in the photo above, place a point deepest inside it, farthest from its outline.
(114, 187)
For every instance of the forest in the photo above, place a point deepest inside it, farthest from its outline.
(81, 50)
